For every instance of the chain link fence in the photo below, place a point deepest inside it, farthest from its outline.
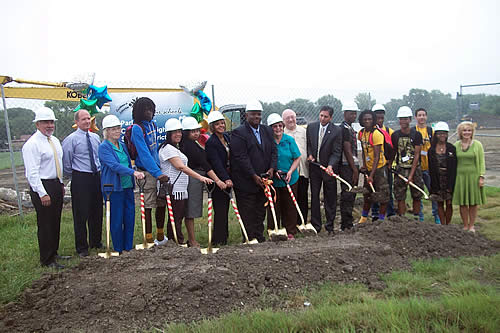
(306, 102)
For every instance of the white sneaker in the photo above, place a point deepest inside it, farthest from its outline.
(160, 243)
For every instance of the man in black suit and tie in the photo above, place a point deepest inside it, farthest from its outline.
(252, 153)
(324, 145)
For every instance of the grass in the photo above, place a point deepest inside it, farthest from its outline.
(5, 160)
(445, 295)
(439, 296)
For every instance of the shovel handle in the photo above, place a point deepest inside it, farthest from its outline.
(107, 189)
(141, 183)
(295, 203)
(210, 209)
(171, 216)
(143, 220)
(426, 197)
(271, 205)
(333, 174)
(238, 216)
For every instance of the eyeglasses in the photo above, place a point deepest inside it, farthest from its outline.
(277, 125)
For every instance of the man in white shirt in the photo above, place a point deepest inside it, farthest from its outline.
(42, 155)
(299, 134)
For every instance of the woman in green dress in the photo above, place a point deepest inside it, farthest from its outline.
(469, 187)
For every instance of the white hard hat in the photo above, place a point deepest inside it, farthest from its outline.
(172, 124)
(44, 113)
(350, 106)
(378, 107)
(214, 116)
(254, 106)
(190, 123)
(404, 112)
(273, 118)
(441, 126)
(110, 121)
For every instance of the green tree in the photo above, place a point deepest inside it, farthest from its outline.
(418, 98)
(20, 123)
(365, 101)
(443, 107)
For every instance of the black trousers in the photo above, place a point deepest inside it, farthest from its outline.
(303, 198)
(48, 220)
(346, 198)
(86, 199)
(221, 209)
(253, 212)
(318, 177)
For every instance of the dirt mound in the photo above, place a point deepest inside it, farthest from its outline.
(143, 288)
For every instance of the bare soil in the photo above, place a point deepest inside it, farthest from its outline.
(144, 289)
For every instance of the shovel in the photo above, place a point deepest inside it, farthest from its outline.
(306, 229)
(426, 197)
(349, 186)
(210, 189)
(145, 245)
(108, 188)
(171, 215)
(374, 195)
(238, 216)
(276, 234)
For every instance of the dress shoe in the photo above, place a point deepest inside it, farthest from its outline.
(54, 265)
(331, 233)
(83, 254)
(58, 257)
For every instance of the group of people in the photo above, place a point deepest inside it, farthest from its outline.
(276, 149)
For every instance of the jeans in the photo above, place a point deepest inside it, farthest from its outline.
(427, 181)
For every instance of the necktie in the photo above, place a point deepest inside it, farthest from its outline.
(91, 154)
(257, 135)
(320, 139)
(56, 158)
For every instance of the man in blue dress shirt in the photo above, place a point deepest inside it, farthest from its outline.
(81, 164)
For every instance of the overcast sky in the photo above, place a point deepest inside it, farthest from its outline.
(271, 50)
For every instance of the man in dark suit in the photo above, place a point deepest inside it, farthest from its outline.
(324, 145)
(252, 153)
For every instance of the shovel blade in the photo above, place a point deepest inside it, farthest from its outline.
(253, 241)
(144, 246)
(108, 255)
(209, 250)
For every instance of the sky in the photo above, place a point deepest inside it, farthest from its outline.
(270, 50)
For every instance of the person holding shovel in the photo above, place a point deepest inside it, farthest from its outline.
(288, 161)
(197, 161)
(217, 149)
(443, 171)
(144, 139)
(407, 143)
(253, 152)
(349, 170)
(174, 164)
(117, 169)
(374, 166)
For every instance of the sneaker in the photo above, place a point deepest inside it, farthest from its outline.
(472, 230)
(290, 237)
(437, 220)
(362, 219)
(162, 242)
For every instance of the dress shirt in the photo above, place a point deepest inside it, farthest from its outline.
(299, 134)
(76, 153)
(39, 160)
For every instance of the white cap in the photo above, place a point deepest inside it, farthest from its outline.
(110, 121)
(441, 126)
(378, 107)
(214, 116)
(172, 124)
(273, 118)
(350, 106)
(44, 113)
(190, 123)
(254, 105)
(404, 112)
